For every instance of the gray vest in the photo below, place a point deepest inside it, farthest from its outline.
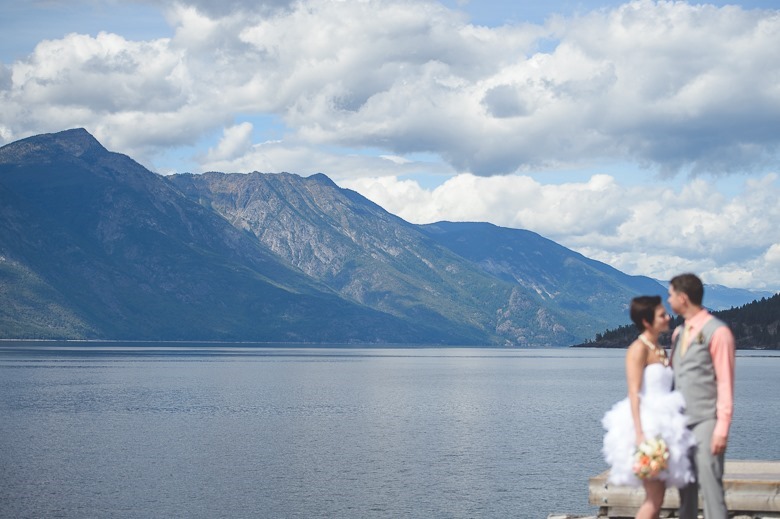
(694, 373)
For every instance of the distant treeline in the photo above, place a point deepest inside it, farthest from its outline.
(755, 326)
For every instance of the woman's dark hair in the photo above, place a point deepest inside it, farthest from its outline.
(690, 285)
(643, 308)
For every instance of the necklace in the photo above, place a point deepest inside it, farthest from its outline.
(658, 351)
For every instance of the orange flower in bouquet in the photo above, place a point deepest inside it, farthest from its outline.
(651, 457)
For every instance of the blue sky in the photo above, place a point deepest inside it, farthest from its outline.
(643, 134)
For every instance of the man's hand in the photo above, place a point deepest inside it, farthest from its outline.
(718, 444)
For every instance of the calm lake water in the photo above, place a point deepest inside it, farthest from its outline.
(204, 431)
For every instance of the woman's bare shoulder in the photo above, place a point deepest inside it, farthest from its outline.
(637, 350)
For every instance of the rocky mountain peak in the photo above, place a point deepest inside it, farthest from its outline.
(77, 143)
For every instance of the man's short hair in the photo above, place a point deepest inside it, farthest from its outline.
(690, 285)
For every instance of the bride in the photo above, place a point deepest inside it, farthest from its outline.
(652, 410)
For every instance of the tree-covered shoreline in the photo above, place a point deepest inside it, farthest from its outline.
(755, 326)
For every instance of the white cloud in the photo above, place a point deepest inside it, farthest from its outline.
(277, 155)
(686, 87)
(772, 255)
(662, 83)
(219, 8)
(236, 141)
(104, 74)
(511, 201)
(731, 239)
(133, 96)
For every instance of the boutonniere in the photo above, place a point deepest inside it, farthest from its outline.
(700, 338)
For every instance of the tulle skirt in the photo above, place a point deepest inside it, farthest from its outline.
(661, 415)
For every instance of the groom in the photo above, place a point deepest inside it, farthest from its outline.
(703, 360)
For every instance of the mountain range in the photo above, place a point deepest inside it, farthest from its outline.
(95, 246)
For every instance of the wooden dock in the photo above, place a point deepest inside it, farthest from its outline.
(752, 491)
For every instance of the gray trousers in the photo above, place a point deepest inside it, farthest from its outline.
(709, 478)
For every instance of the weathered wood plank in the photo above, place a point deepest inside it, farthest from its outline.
(752, 487)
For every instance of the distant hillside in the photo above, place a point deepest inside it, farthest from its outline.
(755, 326)
(589, 291)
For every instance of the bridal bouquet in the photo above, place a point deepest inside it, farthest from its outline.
(650, 458)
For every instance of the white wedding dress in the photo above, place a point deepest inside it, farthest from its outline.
(661, 413)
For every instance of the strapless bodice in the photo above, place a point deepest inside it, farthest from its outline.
(657, 379)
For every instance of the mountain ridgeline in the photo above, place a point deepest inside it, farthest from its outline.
(95, 246)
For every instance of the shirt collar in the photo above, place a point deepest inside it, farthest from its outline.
(697, 321)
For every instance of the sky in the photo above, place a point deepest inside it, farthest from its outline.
(643, 134)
